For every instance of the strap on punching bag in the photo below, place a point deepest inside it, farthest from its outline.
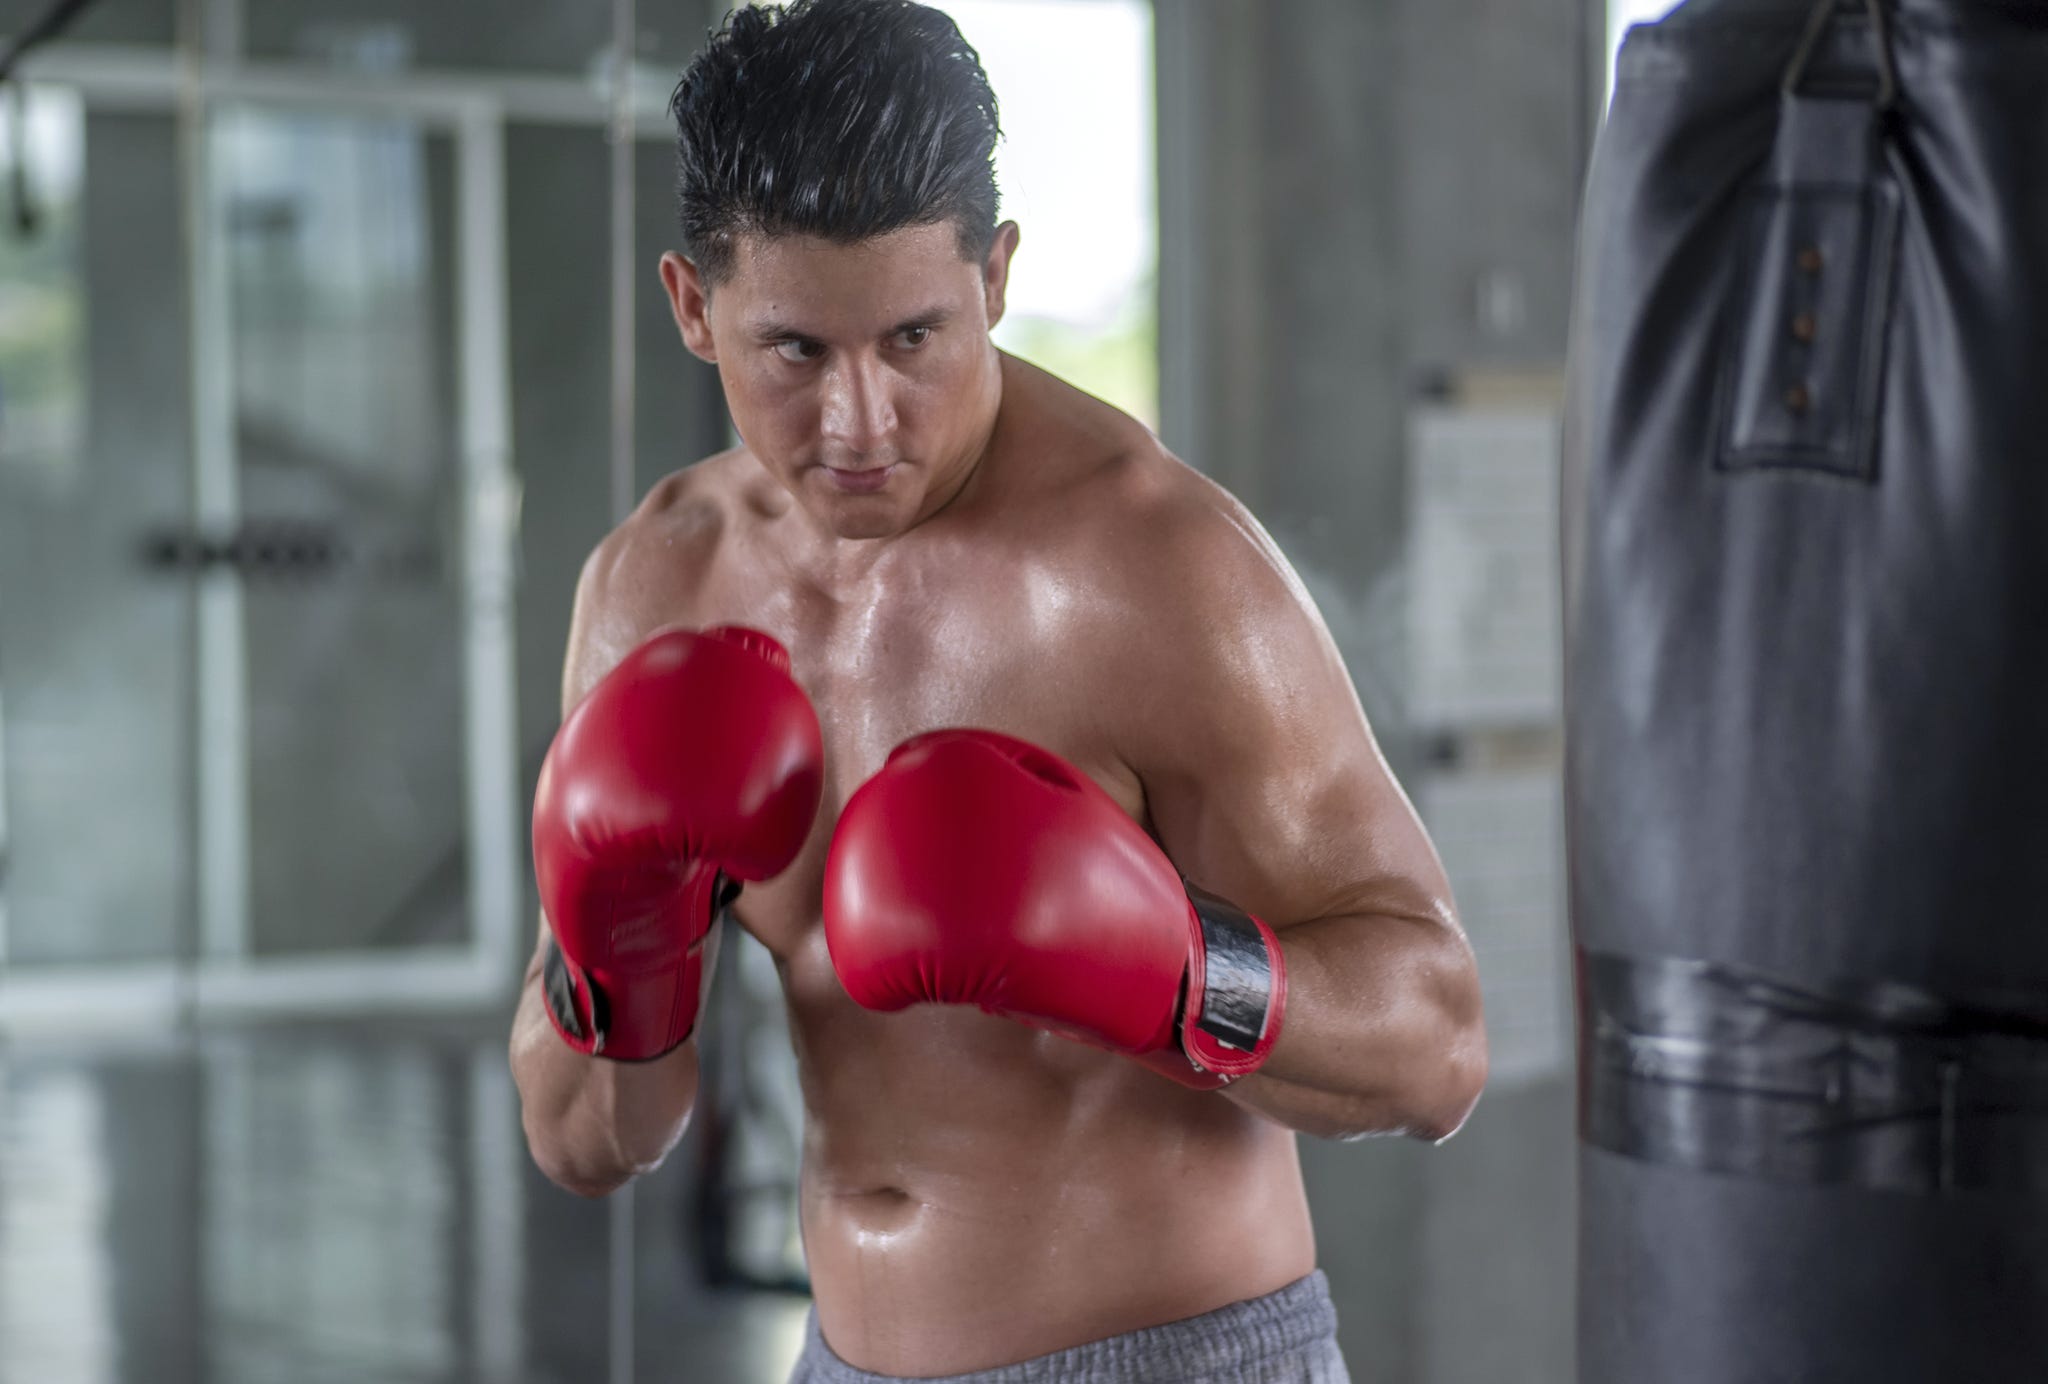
(1707, 1067)
(1886, 93)
(1803, 367)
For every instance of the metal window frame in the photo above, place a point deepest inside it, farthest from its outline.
(222, 980)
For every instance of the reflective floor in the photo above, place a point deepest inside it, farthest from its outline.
(327, 1204)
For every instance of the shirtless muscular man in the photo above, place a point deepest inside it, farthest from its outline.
(1018, 744)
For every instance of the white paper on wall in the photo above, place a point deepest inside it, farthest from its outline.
(1483, 609)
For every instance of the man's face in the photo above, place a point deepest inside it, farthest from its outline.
(860, 375)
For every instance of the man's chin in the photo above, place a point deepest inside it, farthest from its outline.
(881, 514)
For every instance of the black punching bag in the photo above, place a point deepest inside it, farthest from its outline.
(1807, 685)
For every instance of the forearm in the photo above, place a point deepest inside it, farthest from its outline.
(1382, 1033)
(593, 1124)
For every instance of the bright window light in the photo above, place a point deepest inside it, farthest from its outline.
(1076, 168)
(1623, 13)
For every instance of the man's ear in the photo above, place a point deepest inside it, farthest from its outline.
(995, 272)
(689, 299)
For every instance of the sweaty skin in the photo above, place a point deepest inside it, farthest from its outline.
(974, 1191)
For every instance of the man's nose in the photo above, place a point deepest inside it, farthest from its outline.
(859, 407)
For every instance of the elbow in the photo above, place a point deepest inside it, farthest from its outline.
(582, 1177)
(582, 1172)
(1457, 1076)
(1430, 1101)
(586, 1132)
(590, 1189)
(1456, 1089)
(1431, 1116)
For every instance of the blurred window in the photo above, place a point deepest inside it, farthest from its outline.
(42, 301)
(1076, 166)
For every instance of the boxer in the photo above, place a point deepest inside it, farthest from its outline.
(1018, 744)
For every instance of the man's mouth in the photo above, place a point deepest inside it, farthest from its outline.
(861, 480)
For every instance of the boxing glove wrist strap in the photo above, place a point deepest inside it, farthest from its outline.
(584, 1014)
(558, 987)
(1235, 1001)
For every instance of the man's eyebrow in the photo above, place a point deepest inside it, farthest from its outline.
(778, 329)
(773, 329)
(930, 317)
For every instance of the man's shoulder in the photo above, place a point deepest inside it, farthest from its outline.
(698, 501)
(657, 567)
(649, 569)
(1101, 468)
(1194, 603)
(1174, 531)
(1202, 632)
(683, 518)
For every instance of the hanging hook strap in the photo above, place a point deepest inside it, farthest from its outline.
(1825, 12)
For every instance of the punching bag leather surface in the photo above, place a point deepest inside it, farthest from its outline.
(1807, 697)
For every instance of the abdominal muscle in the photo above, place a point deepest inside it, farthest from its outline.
(977, 1193)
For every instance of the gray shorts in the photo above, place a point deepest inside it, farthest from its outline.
(1287, 1337)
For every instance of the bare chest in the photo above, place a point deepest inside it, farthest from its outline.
(881, 673)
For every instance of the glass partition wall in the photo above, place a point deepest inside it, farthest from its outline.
(257, 530)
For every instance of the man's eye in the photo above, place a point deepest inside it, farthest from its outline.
(914, 337)
(799, 352)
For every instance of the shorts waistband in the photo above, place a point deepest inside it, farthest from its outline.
(1214, 1344)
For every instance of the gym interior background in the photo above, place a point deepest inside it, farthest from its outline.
(330, 343)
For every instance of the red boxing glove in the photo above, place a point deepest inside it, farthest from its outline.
(975, 868)
(694, 764)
